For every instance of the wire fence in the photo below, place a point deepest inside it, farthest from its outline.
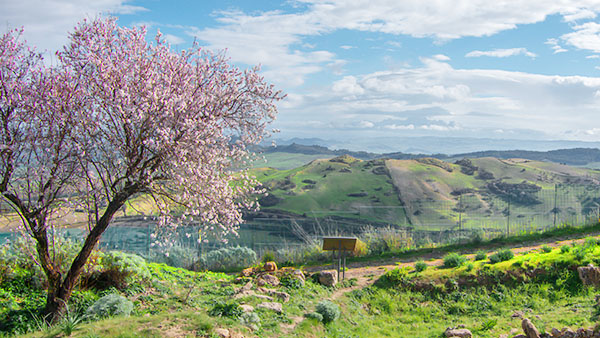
(465, 216)
(427, 222)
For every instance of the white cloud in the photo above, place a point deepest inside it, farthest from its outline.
(346, 47)
(366, 124)
(595, 56)
(441, 57)
(47, 22)
(501, 53)
(438, 98)
(553, 43)
(585, 36)
(173, 39)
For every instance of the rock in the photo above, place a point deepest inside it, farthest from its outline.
(589, 275)
(517, 314)
(247, 307)
(297, 274)
(270, 266)
(284, 296)
(567, 333)
(530, 330)
(520, 336)
(266, 279)
(274, 306)
(555, 332)
(328, 278)
(597, 298)
(247, 272)
(458, 333)
(222, 333)
(245, 288)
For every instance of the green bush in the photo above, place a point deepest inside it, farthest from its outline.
(177, 256)
(120, 270)
(314, 315)
(329, 310)
(546, 249)
(480, 255)
(453, 260)
(250, 319)
(226, 259)
(420, 266)
(501, 256)
(110, 305)
(229, 309)
(565, 248)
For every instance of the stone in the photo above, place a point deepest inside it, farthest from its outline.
(328, 278)
(284, 296)
(274, 306)
(247, 272)
(520, 336)
(589, 275)
(270, 266)
(297, 274)
(555, 332)
(517, 314)
(458, 333)
(267, 279)
(530, 330)
(567, 333)
(246, 287)
(247, 307)
(222, 333)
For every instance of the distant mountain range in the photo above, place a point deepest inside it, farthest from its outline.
(574, 156)
(435, 144)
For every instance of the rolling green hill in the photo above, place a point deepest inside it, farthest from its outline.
(431, 194)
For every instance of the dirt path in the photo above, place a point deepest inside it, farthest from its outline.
(366, 273)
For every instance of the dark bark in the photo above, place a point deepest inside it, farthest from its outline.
(59, 296)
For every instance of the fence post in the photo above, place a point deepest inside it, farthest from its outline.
(555, 211)
(508, 218)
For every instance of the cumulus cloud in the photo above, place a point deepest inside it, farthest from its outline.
(46, 23)
(585, 36)
(435, 97)
(501, 53)
(555, 46)
(441, 57)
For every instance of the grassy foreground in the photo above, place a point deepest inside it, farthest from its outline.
(486, 294)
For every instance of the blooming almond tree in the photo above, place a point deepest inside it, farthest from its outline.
(119, 117)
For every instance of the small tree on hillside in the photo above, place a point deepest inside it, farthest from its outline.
(119, 117)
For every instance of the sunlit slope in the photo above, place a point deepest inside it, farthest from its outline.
(343, 186)
(484, 193)
(487, 192)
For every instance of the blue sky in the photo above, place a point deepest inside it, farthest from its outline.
(366, 69)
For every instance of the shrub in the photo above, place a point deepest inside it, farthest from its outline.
(177, 256)
(565, 248)
(291, 282)
(314, 315)
(453, 260)
(501, 256)
(110, 305)
(546, 248)
(480, 255)
(470, 267)
(420, 266)
(229, 309)
(120, 269)
(226, 258)
(361, 249)
(329, 310)
(268, 256)
(251, 320)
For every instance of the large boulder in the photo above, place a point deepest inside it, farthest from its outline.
(270, 266)
(284, 296)
(328, 278)
(274, 306)
(530, 330)
(458, 333)
(589, 275)
(267, 279)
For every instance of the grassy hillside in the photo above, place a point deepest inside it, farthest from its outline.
(427, 193)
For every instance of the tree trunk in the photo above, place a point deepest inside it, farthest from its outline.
(59, 296)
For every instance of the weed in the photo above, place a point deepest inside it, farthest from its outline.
(454, 260)
(546, 249)
(480, 255)
(420, 266)
(564, 249)
(329, 310)
(501, 256)
(229, 309)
